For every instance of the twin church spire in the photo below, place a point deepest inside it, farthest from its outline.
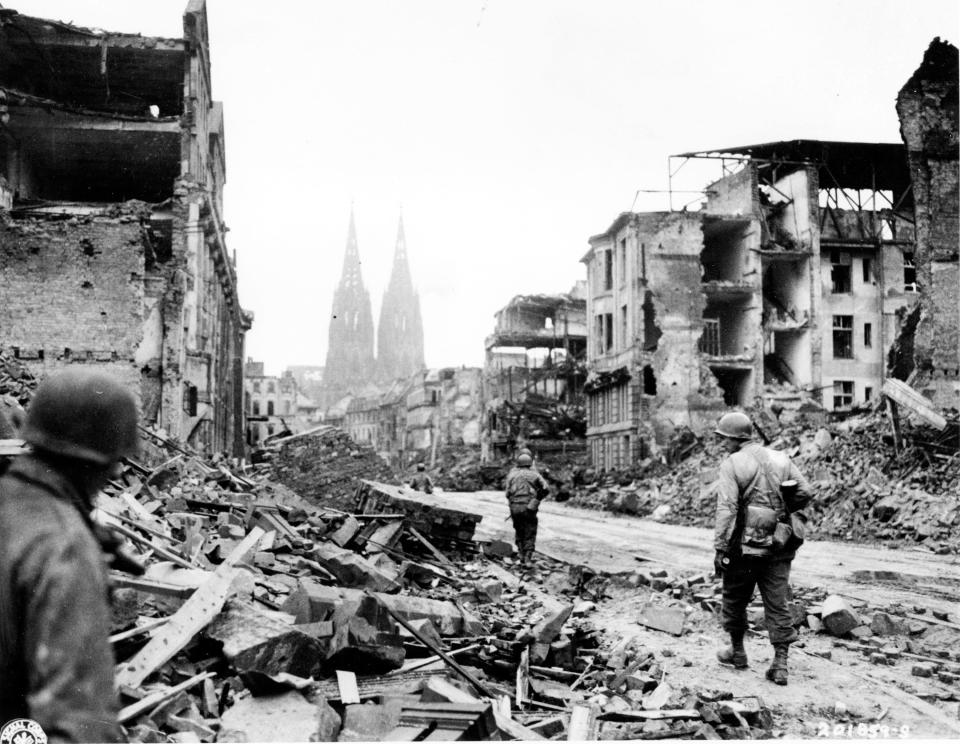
(351, 363)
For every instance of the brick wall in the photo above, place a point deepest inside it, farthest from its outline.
(71, 291)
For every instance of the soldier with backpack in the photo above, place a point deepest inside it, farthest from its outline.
(760, 493)
(525, 489)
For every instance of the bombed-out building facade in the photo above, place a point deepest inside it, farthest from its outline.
(789, 285)
(112, 249)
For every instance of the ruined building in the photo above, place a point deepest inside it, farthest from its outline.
(350, 360)
(112, 247)
(400, 330)
(535, 369)
(790, 283)
(927, 106)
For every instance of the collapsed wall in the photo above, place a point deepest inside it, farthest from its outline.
(928, 109)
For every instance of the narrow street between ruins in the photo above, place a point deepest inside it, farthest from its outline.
(831, 683)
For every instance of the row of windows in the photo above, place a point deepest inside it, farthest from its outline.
(841, 265)
(843, 391)
(610, 406)
(256, 408)
(843, 338)
(611, 452)
(271, 387)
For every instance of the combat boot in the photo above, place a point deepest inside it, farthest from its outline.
(735, 654)
(777, 673)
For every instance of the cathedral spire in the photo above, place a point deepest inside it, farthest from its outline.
(400, 331)
(350, 361)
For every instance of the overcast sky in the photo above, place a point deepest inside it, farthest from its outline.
(507, 131)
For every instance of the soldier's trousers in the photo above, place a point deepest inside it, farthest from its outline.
(525, 527)
(772, 577)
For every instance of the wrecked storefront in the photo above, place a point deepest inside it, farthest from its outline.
(534, 372)
(111, 235)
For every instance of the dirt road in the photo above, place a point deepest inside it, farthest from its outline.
(609, 542)
(808, 706)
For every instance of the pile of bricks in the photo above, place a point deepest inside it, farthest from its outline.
(326, 466)
(15, 379)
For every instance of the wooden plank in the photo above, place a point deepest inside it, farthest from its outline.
(436, 649)
(932, 712)
(652, 715)
(583, 723)
(907, 397)
(515, 729)
(932, 620)
(202, 606)
(418, 663)
(150, 586)
(151, 701)
(347, 682)
(523, 678)
(139, 630)
(162, 552)
(430, 547)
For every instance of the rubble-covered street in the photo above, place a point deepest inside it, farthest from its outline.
(558, 443)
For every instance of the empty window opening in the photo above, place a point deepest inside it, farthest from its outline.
(623, 261)
(256, 408)
(868, 335)
(735, 384)
(649, 381)
(608, 269)
(624, 329)
(840, 272)
(843, 337)
(909, 273)
(548, 323)
(87, 285)
(269, 407)
(724, 251)
(608, 331)
(868, 393)
(651, 333)
(256, 386)
(867, 271)
(727, 329)
(643, 261)
(842, 393)
(271, 388)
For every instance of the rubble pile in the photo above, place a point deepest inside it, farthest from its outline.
(16, 380)
(259, 616)
(325, 466)
(864, 489)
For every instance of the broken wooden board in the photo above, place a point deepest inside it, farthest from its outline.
(122, 581)
(681, 714)
(907, 397)
(205, 603)
(583, 723)
(152, 701)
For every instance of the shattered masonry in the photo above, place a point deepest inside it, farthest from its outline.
(928, 110)
(788, 287)
(528, 397)
(113, 254)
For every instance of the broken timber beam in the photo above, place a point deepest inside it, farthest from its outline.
(195, 614)
(152, 701)
(430, 546)
(448, 660)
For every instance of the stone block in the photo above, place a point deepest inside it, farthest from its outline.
(369, 722)
(365, 639)
(345, 532)
(488, 590)
(883, 624)
(254, 640)
(498, 549)
(667, 619)
(328, 721)
(861, 632)
(353, 570)
(286, 717)
(425, 628)
(838, 617)
(548, 629)
(923, 669)
(313, 602)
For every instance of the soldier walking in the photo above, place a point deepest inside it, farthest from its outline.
(525, 489)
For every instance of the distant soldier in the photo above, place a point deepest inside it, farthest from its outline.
(525, 489)
(56, 663)
(757, 489)
(421, 481)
